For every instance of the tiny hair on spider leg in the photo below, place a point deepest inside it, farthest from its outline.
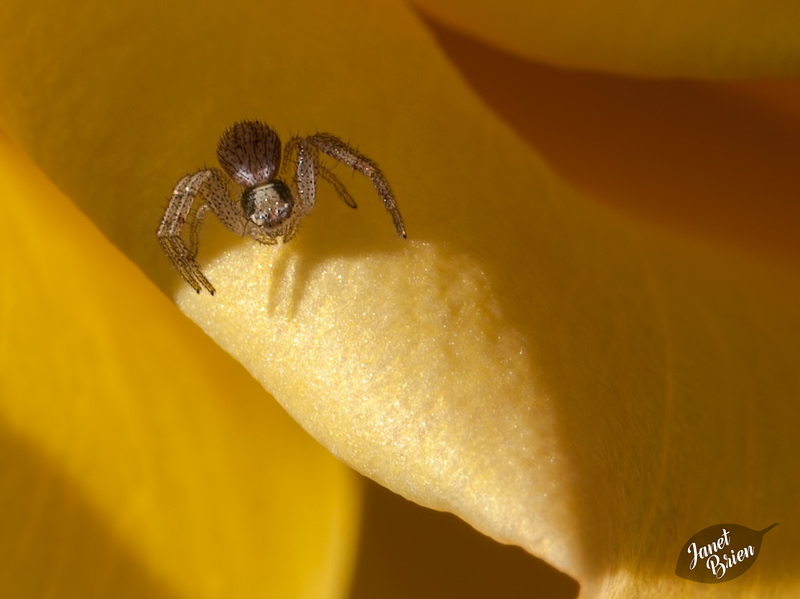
(275, 196)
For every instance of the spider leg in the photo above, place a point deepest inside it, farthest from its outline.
(169, 235)
(210, 184)
(349, 156)
(305, 176)
(290, 233)
(197, 223)
(331, 178)
(298, 146)
(289, 150)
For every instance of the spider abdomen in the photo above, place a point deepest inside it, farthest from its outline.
(268, 206)
(250, 152)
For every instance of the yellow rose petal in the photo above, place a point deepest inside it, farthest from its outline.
(562, 378)
(714, 160)
(139, 460)
(687, 38)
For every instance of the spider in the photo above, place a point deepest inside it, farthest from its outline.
(272, 203)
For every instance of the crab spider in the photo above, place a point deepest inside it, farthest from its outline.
(273, 201)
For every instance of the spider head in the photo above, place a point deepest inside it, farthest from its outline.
(268, 206)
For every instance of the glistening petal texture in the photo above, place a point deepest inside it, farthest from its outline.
(136, 458)
(655, 38)
(561, 377)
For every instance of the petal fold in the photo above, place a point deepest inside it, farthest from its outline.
(687, 38)
(138, 459)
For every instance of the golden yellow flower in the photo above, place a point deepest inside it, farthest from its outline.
(594, 375)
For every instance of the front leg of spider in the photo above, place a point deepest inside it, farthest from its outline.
(349, 156)
(299, 147)
(269, 208)
(207, 186)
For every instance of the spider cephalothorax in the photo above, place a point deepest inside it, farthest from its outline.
(274, 200)
(268, 206)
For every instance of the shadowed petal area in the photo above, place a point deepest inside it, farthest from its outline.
(409, 551)
(137, 459)
(562, 377)
(714, 160)
(658, 38)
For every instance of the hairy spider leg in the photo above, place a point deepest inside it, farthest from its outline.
(349, 156)
(331, 178)
(305, 178)
(327, 174)
(210, 185)
(169, 235)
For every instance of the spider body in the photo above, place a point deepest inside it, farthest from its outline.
(274, 199)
